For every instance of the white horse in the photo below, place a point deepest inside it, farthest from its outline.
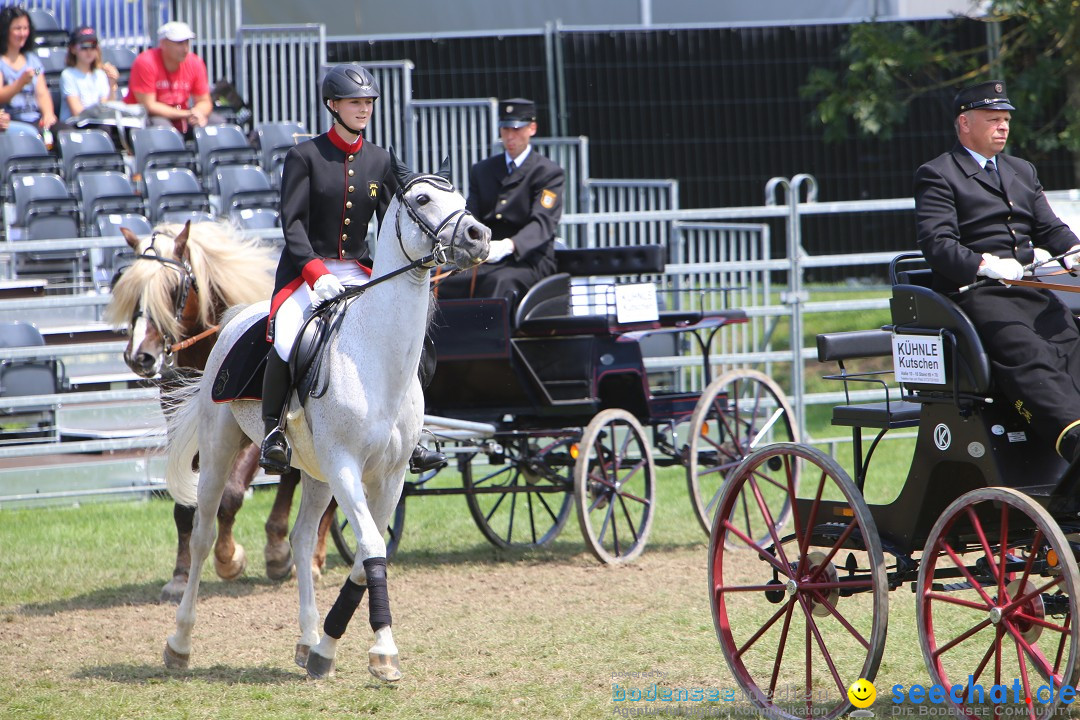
(355, 439)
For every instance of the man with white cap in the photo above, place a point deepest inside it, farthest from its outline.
(170, 81)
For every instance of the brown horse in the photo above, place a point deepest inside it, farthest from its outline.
(169, 300)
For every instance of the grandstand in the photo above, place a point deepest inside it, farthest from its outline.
(63, 207)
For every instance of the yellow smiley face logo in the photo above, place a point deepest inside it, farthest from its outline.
(862, 693)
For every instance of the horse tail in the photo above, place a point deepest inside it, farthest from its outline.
(182, 422)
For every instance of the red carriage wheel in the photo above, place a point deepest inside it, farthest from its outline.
(995, 598)
(800, 609)
(614, 486)
(738, 412)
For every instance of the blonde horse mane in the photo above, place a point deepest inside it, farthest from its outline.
(228, 269)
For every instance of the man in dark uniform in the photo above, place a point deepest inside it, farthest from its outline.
(982, 213)
(519, 195)
(331, 186)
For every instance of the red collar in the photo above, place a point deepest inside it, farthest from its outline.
(343, 146)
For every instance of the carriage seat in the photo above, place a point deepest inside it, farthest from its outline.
(920, 311)
(545, 308)
(841, 346)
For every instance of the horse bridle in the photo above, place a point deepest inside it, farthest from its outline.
(441, 251)
(188, 285)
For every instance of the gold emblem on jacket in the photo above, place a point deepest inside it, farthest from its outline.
(373, 189)
(547, 199)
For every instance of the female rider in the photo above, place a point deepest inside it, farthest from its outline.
(331, 186)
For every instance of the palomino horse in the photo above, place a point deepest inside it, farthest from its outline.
(170, 300)
(354, 435)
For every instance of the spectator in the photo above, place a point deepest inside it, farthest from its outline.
(86, 80)
(519, 195)
(170, 82)
(23, 94)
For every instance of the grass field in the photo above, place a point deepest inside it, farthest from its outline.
(483, 633)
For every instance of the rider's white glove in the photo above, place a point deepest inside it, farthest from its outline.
(997, 268)
(1073, 258)
(328, 287)
(1042, 260)
(499, 249)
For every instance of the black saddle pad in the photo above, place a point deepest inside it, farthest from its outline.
(241, 374)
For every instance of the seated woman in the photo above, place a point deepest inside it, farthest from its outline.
(23, 93)
(86, 80)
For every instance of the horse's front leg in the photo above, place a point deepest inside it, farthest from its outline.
(278, 553)
(230, 560)
(314, 497)
(177, 652)
(183, 518)
(368, 574)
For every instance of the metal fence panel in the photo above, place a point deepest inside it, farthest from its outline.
(278, 72)
(462, 130)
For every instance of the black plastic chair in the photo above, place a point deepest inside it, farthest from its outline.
(173, 189)
(244, 186)
(105, 192)
(260, 218)
(22, 154)
(221, 145)
(42, 194)
(47, 31)
(88, 150)
(24, 377)
(275, 139)
(160, 147)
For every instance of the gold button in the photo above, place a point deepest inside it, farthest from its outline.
(351, 188)
(351, 158)
(351, 173)
(347, 221)
(498, 216)
(348, 204)
(344, 236)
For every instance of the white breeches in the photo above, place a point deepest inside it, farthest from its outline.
(291, 315)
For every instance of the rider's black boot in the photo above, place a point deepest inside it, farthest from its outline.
(423, 460)
(275, 453)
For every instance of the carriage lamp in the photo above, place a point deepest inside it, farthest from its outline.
(575, 450)
(1052, 558)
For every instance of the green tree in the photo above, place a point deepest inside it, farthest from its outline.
(1033, 44)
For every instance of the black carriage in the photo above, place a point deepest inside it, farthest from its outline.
(553, 407)
(983, 531)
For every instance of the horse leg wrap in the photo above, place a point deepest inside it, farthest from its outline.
(339, 616)
(379, 600)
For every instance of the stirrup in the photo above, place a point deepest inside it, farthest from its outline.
(424, 460)
(275, 454)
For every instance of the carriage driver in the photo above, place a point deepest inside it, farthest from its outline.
(519, 195)
(331, 185)
(983, 213)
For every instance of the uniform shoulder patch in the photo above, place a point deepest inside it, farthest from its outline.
(548, 198)
(373, 189)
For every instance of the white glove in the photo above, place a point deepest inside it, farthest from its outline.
(328, 287)
(1049, 268)
(997, 268)
(1071, 260)
(499, 249)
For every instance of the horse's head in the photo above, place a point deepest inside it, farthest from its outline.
(437, 210)
(156, 296)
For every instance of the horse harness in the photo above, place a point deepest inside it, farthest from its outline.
(189, 285)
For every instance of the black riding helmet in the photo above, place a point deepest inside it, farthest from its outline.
(348, 81)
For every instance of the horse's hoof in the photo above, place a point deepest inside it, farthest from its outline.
(173, 590)
(384, 667)
(235, 567)
(302, 652)
(174, 660)
(279, 565)
(319, 667)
